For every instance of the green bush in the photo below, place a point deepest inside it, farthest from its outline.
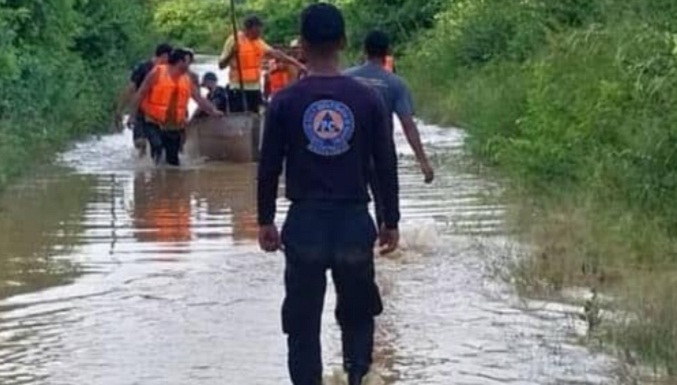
(574, 100)
(205, 24)
(61, 65)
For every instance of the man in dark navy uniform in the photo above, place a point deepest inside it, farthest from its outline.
(328, 130)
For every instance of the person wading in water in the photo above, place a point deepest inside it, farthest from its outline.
(398, 100)
(163, 99)
(139, 73)
(328, 130)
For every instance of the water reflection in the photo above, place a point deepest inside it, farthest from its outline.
(162, 211)
(229, 191)
(175, 206)
(40, 220)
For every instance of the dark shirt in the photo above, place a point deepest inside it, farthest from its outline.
(391, 87)
(140, 72)
(219, 98)
(328, 132)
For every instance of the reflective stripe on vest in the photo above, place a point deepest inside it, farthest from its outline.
(156, 104)
(250, 55)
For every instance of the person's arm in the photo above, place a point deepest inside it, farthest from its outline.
(123, 100)
(385, 163)
(204, 104)
(142, 92)
(227, 53)
(277, 54)
(405, 112)
(270, 164)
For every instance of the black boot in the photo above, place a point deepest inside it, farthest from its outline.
(354, 379)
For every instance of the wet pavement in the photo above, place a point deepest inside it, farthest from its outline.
(113, 272)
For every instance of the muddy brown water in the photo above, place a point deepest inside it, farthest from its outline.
(113, 272)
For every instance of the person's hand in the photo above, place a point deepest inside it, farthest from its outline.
(269, 238)
(428, 172)
(131, 120)
(216, 113)
(388, 239)
(117, 122)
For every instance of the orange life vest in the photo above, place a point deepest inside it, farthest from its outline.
(278, 78)
(157, 103)
(250, 54)
(389, 64)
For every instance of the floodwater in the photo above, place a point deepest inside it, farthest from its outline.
(113, 272)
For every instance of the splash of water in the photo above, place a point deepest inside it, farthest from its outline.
(339, 377)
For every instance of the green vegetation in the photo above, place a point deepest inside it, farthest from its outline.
(573, 101)
(205, 24)
(61, 64)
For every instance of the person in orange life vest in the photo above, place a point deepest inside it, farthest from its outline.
(196, 81)
(140, 71)
(277, 77)
(252, 50)
(163, 99)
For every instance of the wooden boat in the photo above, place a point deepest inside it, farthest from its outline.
(232, 138)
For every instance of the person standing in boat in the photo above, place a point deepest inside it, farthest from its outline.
(139, 73)
(328, 131)
(398, 100)
(249, 53)
(163, 99)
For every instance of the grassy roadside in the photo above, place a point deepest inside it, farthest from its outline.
(572, 102)
(62, 64)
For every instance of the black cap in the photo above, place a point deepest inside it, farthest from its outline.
(209, 76)
(252, 21)
(322, 23)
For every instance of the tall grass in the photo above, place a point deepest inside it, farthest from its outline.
(574, 100)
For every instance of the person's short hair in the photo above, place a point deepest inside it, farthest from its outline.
(322, 25)
(190, 52)
(377, 44)
(163, 49)
(252, 21)
(209, 77)
(178, 55)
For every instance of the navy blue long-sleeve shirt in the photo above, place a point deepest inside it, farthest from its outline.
(327, 132)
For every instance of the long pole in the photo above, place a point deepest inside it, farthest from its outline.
(236, 41)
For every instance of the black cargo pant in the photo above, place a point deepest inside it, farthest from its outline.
(138, 127)
(236, 100)
(338, 237)
(163, 141)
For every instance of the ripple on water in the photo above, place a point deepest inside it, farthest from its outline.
(137, 275)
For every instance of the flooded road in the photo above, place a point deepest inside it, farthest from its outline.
(116, 273)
